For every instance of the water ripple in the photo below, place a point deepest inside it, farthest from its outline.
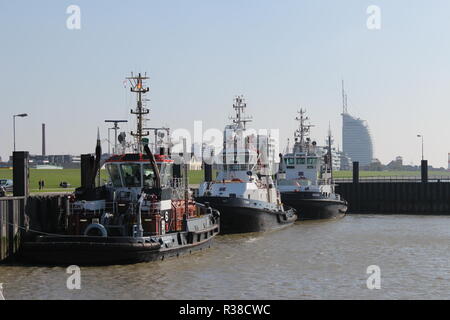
(312, 260)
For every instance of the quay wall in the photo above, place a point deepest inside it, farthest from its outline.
(23, 218)
(396, 197)
(11, 218)
(46, 213)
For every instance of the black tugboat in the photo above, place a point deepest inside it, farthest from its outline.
(305, 179)
(244, 191)
(142, 214)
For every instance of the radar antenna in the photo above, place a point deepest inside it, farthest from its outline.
(115, 128)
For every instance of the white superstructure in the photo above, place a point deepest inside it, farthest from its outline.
(245, 165)
(308, 167)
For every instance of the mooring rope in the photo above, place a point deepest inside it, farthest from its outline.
(39, 232)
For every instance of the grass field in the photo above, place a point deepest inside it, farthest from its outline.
(53, 178)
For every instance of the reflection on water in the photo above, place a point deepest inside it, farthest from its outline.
(310, 260)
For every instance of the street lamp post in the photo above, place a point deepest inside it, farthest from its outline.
(421, 136)
(22, 115)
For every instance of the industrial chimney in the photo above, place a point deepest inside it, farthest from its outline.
(43, 139)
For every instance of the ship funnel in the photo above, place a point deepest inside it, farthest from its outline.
(98, 155)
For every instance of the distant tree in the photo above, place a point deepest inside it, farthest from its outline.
(376, 165)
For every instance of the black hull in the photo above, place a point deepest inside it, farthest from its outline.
(315, 209)
(104, 251)
(236, 216)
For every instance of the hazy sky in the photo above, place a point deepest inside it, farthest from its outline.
(201, 53)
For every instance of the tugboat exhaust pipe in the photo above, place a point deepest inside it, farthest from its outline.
(154, 166)
(98, 156)
(140, 231)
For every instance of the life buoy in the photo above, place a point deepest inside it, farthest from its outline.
(96, 230)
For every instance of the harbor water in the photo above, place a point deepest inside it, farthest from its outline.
(310, 260)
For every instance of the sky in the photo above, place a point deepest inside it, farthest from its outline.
(200, 54)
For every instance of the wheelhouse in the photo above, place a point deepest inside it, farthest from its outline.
(136, 171)
(292, 160)
(303, 166)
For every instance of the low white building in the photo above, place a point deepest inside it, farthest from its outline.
(195, 164)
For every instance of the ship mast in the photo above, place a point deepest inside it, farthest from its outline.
(330, 154)
(239, 106)
(302, 132)
(137, 86)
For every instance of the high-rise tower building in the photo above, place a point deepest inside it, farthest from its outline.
(449, 161)
(356, 139)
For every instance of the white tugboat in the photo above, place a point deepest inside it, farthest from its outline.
(305, 178)
(243, 190)
(142, 214)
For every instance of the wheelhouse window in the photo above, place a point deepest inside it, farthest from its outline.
(234, 167)
(131, 174)
(239, 167)
(165, 171)
(168, 174)
(301, 160)
(138, 174)
(312, 160)
(114, 175)
(149, 176)
(290, 161)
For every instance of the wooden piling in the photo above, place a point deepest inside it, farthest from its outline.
(12, 209)
(12, 224)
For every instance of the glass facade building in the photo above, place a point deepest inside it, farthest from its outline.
(356, 139)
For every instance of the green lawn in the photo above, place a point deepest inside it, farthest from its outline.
(53, 178)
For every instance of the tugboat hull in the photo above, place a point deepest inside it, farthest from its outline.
(315, 209)
(243, 216)
(105, 251)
